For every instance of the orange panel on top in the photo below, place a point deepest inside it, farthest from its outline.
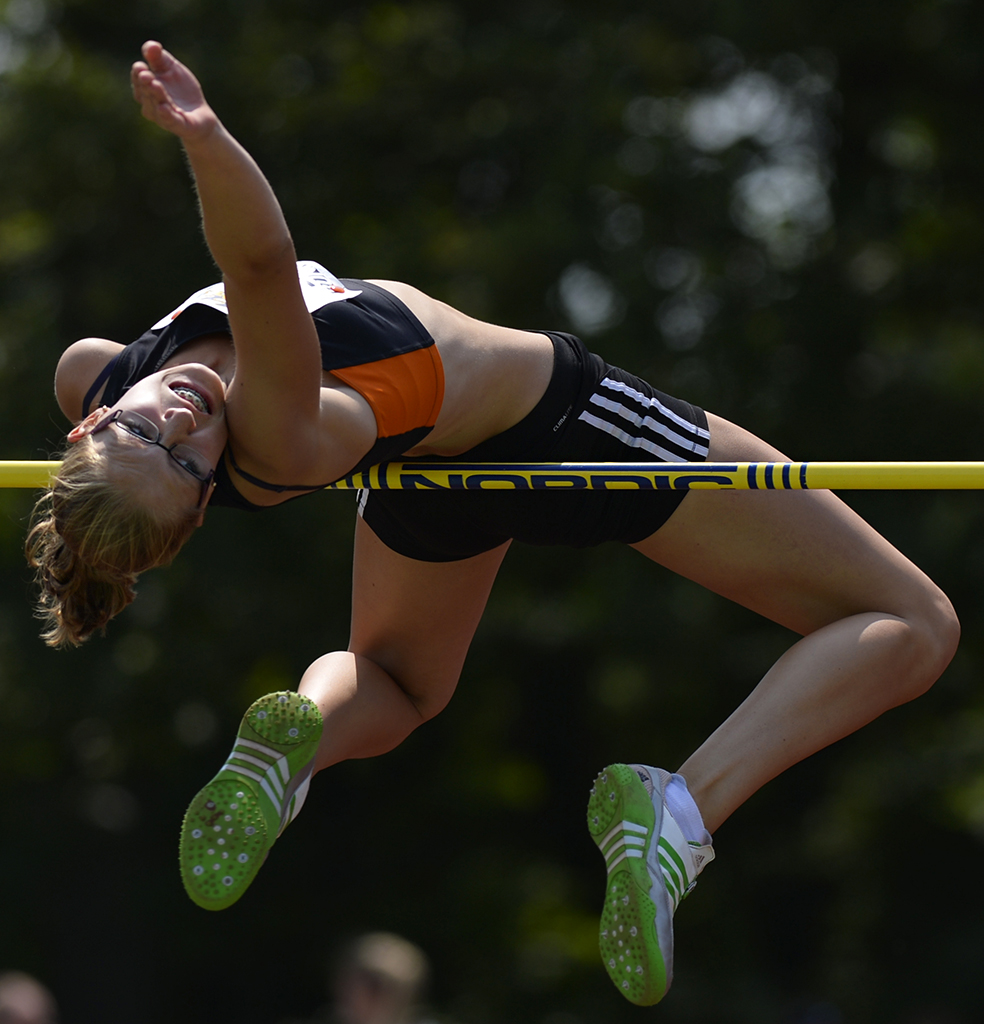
(405, 391)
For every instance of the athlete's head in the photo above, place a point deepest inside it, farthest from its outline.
(132, 487)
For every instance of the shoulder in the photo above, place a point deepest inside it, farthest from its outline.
(438, 319)
(405, 292)
(77, 368)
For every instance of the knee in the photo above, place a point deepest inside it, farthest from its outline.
(427, 688)
(933, 635)
(429, 696)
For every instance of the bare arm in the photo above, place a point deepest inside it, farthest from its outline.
(244, 225)
(274, 404)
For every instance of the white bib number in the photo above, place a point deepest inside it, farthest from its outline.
(318, 287)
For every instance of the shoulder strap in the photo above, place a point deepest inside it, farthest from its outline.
(257, 482)
(98, 383)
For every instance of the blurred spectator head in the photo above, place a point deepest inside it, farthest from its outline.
(379, 979)
(23, 1000)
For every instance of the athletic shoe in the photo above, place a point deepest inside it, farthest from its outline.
(651, 867)
(231, 824)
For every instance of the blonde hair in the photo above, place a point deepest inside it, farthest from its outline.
(89, 540)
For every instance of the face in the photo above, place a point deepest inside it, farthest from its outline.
(186, 404)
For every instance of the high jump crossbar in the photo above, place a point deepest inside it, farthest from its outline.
(574, 476)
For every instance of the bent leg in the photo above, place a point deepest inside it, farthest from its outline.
(876, 631)
(412, 624)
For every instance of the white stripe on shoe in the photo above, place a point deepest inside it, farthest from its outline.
(276, 779)
(269, 792)
(249, 759)
(272, 755)
(623, 837)
(242, 771)
(270, 773)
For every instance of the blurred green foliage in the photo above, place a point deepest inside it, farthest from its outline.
(771, 209)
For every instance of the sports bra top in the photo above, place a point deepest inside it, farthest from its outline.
(369, 339)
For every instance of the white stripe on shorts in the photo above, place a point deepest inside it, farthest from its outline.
(650, 434)
(655, 403)
(661, 430)
(661, 453)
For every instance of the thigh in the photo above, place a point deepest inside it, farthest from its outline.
(416, 619)
(801, 558)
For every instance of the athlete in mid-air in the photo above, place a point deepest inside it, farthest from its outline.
(285, 378)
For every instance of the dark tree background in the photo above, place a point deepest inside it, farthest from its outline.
(772, 209)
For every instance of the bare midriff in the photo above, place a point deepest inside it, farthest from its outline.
(493, 376)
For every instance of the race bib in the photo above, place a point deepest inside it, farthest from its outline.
(318, 287)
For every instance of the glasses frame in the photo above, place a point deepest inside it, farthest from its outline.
(114, 417)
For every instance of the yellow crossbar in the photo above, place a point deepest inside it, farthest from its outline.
(787, 476)
(561, 476)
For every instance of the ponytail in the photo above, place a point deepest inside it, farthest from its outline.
(89, 540)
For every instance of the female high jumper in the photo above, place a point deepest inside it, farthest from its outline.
(285, 378)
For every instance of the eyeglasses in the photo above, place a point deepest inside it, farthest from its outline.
(184, 455)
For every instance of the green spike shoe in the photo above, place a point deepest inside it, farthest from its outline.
(233, 822)
(651, 868)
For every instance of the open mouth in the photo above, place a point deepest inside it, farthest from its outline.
(190, 394)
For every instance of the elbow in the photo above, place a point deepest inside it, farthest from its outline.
(262, 262)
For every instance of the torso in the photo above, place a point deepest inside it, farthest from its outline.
(493, 376)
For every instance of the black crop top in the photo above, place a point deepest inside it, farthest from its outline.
(369, 339)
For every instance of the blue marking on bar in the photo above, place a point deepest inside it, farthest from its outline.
(785, 475)
(752, 482)
(417, 481)
(683, 483)
(769, 466)
(803, 476)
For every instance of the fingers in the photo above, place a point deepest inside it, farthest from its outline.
(169, 94)
(157, 58)
(147, 88)
(157, 61)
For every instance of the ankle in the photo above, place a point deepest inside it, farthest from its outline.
(682, 806)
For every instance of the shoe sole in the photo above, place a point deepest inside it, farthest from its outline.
(232, 823)
(622, 822)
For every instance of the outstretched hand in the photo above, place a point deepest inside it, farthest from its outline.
(170, 95)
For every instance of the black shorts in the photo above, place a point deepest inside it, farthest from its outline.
(590, 412)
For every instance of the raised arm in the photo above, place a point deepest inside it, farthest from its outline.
(277, 353)
(244, 225)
